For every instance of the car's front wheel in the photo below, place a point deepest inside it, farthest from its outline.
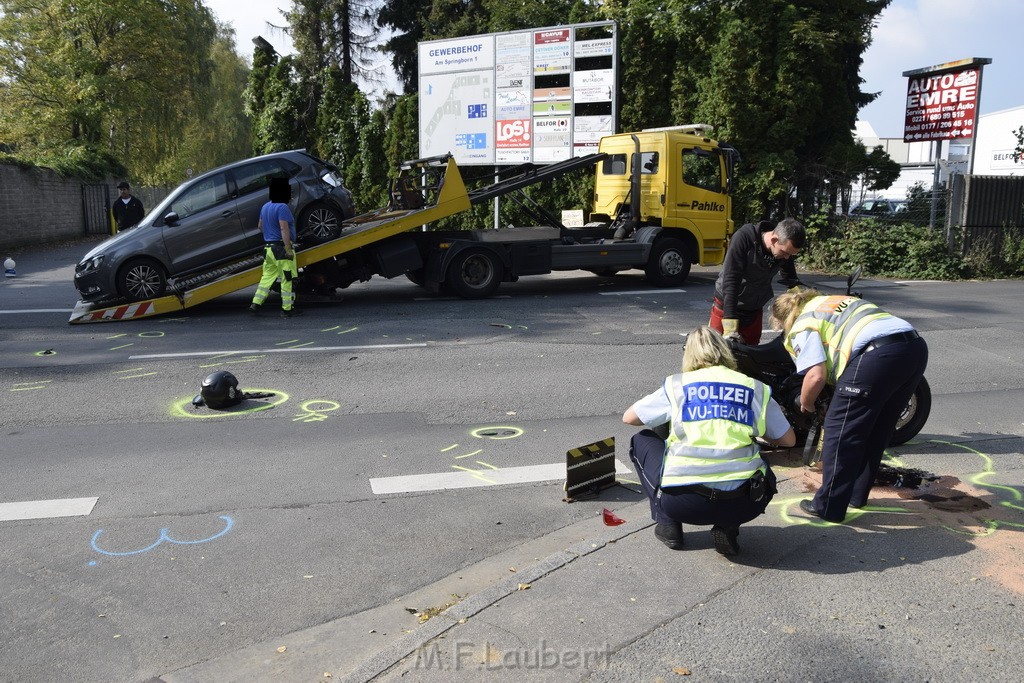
(320, 222)
(141, 279)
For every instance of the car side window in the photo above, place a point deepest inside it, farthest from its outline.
(203, 195)
(256, 176)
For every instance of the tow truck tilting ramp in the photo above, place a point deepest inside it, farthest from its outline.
(446, 198)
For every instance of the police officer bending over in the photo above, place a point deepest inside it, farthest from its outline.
(709, 470)
(875, 362)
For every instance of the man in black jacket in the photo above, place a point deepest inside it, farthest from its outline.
(756, 253)
(127, 208)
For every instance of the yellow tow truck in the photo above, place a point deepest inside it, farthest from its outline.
(661, 203)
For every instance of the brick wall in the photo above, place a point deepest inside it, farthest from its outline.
(38, 206)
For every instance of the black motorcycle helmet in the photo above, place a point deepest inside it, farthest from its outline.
(220, 390)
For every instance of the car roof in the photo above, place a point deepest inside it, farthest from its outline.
(272, 155)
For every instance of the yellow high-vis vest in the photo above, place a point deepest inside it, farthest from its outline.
(716, 413)
(837, 320)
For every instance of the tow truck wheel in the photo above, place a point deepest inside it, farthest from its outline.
(141, 279)
(417, 277)
(669, 263)
(319, 223)
(474, 274)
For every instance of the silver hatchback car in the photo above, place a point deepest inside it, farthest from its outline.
(212, 220)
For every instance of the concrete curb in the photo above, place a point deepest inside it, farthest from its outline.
(475, 604)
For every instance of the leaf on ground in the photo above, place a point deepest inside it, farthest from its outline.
(681, 671)
(523, 587)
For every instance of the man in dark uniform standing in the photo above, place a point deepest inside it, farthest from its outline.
(127, 208)
(756, 253)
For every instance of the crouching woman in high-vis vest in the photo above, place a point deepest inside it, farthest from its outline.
(709, 471)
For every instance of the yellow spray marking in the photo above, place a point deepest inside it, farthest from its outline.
(115, 336)
(299, 346)
(183, 407)
(145, 374)
(468, 455)
(330, 329)
(351, 329)
(476, 474)
(122, 346)
(151, 334)
(445, 450)
(30, 386)
(47, 352)
(485, 464)
(285, 343)
(314, 411)
(118, 372)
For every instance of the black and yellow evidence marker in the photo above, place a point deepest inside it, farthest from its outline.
(590, 468)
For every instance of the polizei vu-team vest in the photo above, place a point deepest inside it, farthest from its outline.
(716, 413)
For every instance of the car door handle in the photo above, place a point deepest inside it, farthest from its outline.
(225, 214)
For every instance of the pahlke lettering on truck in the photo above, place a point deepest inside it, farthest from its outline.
(706, 206)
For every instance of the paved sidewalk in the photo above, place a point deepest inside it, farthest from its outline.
(917, 587)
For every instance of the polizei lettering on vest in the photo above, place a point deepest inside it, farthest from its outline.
(718, 401)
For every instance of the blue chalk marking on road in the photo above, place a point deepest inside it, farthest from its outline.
(164, 536)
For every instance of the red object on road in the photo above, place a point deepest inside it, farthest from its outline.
(611, 519)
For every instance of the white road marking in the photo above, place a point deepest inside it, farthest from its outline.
(199, 354)
(38, 310)
(41, 509)
(461, 480)
(644, 291)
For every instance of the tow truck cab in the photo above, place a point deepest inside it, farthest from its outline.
(684, 181)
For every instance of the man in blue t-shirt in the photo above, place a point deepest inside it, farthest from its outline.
(278, 226)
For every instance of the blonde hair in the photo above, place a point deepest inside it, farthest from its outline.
(706, 348)
(786, 307)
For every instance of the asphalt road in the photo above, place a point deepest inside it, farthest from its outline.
(212, 532)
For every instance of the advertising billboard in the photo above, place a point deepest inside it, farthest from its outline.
(942, 101)
(534, 96)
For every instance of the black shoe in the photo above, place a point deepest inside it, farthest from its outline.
(725, 539)
(670, 534)
(254, 309)
(290, 312)
(808, 507)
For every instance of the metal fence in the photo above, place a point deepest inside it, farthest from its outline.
(983, 209)
(96, 209)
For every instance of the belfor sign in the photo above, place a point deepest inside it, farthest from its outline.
(942, 100)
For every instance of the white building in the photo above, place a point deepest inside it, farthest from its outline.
(993, 154)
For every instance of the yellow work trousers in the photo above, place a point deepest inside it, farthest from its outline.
(284, 269)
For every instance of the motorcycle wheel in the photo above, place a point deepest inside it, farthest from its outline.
(812, 446)
(914, 415)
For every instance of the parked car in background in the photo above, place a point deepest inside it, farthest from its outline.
(878, 208)
(211, 220)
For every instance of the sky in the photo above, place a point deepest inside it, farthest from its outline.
(910, 34)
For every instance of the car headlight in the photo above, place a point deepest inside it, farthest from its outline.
(89, 265)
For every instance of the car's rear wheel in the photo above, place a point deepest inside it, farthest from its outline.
(320, 222)
(141, 279)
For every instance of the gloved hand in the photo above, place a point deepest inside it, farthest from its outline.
(730, 330)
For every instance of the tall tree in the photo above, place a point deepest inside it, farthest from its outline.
(124, 77)
(780, 79)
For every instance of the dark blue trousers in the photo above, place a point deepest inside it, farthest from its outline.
(647, 451)
(869, 398)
